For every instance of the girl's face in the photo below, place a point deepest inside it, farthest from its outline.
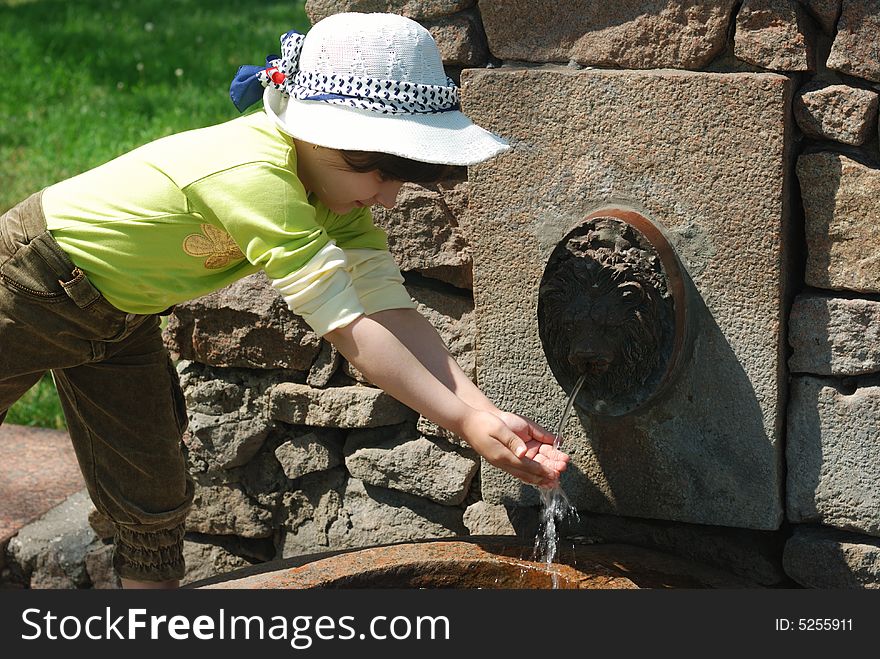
(324, 173)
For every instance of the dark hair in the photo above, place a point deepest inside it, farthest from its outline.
(399, 168)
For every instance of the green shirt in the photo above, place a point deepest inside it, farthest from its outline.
(190, 213)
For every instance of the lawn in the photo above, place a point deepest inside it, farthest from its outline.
(86, 80)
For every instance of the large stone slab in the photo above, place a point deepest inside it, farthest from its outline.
(629, 33)
(834, 336)
(318, 450)
(755, 555)
(460, 38)
(205, 560)
(842, 218)
(311, 510)
(833, 455)
(817, 557)
(703, 155)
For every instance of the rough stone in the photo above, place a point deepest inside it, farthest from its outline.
(324, 367)
(226, 410)
(415, 9)
(371, 516)
(337, 407)
(427, 231)
(101, 525)
(825, 12)
(833, 456)
(228, 510)
(263, 476)
(222, 443)
(834, 336)
(709, 451)
(205, 560)
(460, 39)
(431, 429)
(328, 512)
(453, 317)
(774, 34)
(842, 217)
(856, 48)
(629, 34)
(837, 112)
(395, 459)
(315, 451)
(354, 376)
(483, 518)
(51, 551)
(99, 566)
(816, 557)
(310, 511)
(247, 324)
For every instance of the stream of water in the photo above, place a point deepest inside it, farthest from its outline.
(556, 507)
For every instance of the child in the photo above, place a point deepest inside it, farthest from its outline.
(350, 111)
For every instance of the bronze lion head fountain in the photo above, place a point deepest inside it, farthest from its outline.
(611, 308)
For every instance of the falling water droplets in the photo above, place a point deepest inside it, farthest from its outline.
(556, 507)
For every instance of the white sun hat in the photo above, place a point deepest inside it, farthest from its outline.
(372, 82)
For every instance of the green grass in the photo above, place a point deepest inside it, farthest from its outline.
(39, 407)
(87, 80)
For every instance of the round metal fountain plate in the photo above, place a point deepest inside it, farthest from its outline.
(611, 308)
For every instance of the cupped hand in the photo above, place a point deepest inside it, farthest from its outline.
(524, 450)
(537, 440)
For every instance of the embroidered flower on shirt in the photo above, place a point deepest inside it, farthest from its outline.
(216, 244)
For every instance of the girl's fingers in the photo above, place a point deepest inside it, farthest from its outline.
(530, 478)
(553, 454)
(535, 469)
(541, 434)
(545, 452)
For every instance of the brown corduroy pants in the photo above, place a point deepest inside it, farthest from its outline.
(118, 388)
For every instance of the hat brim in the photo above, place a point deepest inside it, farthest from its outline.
(449, 138)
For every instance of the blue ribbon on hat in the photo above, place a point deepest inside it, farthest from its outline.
(247, 85)
(246, 88)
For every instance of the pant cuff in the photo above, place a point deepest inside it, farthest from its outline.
(151, 556)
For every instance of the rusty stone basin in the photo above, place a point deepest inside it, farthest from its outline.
(481, 562)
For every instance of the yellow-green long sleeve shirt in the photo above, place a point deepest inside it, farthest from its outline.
(190, 213)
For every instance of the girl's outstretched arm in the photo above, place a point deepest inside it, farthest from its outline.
(432, 384)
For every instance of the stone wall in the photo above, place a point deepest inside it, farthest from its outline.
(748, 131)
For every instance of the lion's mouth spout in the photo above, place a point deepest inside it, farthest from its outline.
(590, 365)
